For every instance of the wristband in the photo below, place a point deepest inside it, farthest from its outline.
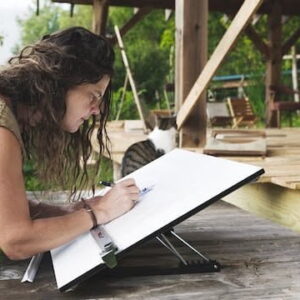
(90, 211)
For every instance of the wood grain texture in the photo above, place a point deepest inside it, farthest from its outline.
(260, 260)
(228, 40)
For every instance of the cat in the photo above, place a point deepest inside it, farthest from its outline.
(161, 140)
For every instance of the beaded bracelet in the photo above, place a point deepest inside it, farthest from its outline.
(90, 212)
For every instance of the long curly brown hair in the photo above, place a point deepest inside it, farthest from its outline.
(39, 78)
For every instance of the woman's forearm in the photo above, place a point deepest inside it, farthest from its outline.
(43, 210)
(44, 234)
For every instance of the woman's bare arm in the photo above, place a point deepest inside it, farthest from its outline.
(39, 209)
(20, 236)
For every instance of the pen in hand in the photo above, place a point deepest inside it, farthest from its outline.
(142, 191)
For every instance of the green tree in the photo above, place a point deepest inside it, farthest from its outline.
(51, 18)
(148, 55)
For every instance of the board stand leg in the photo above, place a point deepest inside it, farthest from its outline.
(204, 264)
(201, 265)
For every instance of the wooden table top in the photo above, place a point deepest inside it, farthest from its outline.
(281, 164)
(260, 260)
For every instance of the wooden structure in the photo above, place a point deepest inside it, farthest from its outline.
(218, 114)
(241, 111)
(236, 143)
(281, 106)
(276, 194)
(192, 74)
(260, 260)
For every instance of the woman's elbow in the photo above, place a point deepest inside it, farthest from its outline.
(14, 252)
(14, 249)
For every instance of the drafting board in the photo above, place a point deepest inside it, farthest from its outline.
(185, 183)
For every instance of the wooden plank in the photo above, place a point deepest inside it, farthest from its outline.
(295, 74)
(191, 56)
(290, 8)
(160, 4)
(140, 109)
(291, 182)
(236, 142)
(239, 22)
(273, 63)
(276, 203)
(260, 260)
(100, 13)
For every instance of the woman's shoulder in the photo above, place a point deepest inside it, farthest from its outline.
(8, 121)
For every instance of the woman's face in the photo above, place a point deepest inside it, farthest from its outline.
(82, 102)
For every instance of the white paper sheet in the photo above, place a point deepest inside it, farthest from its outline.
(182, 181)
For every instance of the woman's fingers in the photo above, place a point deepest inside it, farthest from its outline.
(127, 182)
(118, 200)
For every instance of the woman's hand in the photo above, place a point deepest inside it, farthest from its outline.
(117, 201)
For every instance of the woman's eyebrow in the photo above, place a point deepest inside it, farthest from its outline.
(98, 92)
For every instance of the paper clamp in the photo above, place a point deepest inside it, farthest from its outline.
(106, 245)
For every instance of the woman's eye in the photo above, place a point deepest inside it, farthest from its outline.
(96, 98)
(93, 99)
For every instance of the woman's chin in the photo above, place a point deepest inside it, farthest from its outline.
(71, 129)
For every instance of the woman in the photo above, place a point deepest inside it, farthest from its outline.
(50, 96)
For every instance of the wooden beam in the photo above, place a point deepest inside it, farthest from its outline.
(290, 7)
(100, 13)
(290, 42)
(159, 4)
(276, 203)
(257, 41)
(273, 63)
(239, 22)
(140, 108)
(191, 56)
(295, 73)
(138, 16)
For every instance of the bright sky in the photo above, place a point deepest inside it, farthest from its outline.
(9, 29)
(10, 10)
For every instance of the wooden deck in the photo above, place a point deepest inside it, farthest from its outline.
(275, 196)
(282, 163)
(260, 260)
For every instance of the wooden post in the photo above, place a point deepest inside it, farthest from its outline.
(240, 21)
(191, 56)
(295, 73)
(100, 12)
(274, 60)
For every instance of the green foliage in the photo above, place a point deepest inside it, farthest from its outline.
(34, 27)
(51, 18)
(147, 47)
(255, 91)
(150, 49)
(106, 171)
(82, 17)
(123, 110)
(244, 58)
(31, 181)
